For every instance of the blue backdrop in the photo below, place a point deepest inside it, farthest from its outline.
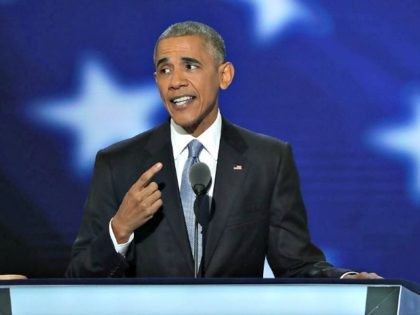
(340, 80)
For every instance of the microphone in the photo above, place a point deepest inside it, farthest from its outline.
(200, 180)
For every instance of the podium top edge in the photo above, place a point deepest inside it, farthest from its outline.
(210, 281)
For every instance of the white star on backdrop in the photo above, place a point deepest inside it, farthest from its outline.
(101, 113)
(274, 16)
(404, 141)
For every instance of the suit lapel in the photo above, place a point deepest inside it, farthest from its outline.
(230, 173)
(160, 148)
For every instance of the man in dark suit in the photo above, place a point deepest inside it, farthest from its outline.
(134, 223)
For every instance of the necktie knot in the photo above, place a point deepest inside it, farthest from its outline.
(194, 149)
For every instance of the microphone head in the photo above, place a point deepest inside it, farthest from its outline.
(200, 178)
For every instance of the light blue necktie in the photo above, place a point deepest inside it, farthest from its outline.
(188, 195)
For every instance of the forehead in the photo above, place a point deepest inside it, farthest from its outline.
(182, 46)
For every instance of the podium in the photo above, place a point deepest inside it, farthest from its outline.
(209, 296)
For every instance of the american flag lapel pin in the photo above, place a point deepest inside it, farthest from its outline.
(238, 167)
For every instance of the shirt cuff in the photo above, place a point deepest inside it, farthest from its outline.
(120, 248)
(348, 273)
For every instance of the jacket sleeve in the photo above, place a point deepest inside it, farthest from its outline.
(93, 253)
(290, 250)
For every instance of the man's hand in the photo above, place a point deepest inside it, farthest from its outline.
(363, 275)
(139, 205)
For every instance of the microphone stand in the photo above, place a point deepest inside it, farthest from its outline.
(200, 180)
(196, 248)
(202, 216)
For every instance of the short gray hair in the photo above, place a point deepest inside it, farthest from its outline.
(211, 37)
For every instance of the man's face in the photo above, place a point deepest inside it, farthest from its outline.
(189, 78)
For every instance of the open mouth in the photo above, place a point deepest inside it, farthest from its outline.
(182, 100)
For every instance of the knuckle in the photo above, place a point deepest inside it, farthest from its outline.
(136, 197)
(143, 204)
(141, 180)
(153, 186)
(150, 212)
(144, 177)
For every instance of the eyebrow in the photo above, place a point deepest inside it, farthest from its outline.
(190, 60)
(160, 61)
(184, 59)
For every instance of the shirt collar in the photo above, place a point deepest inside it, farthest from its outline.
(210, 138)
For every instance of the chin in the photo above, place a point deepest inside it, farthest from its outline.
(188, 125)
(185, 121)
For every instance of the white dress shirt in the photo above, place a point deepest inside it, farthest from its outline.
(210, 139)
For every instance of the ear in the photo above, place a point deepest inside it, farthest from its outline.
(226, 73)
(154, 75)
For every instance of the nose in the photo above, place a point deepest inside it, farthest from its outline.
(178, 80)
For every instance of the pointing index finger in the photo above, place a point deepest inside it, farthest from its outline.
(145, 178)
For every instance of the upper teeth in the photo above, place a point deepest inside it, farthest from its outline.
(182, 99)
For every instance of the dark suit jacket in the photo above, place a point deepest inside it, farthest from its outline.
(258, 212)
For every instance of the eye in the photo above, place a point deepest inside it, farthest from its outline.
(191, 66)
(164, 70)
